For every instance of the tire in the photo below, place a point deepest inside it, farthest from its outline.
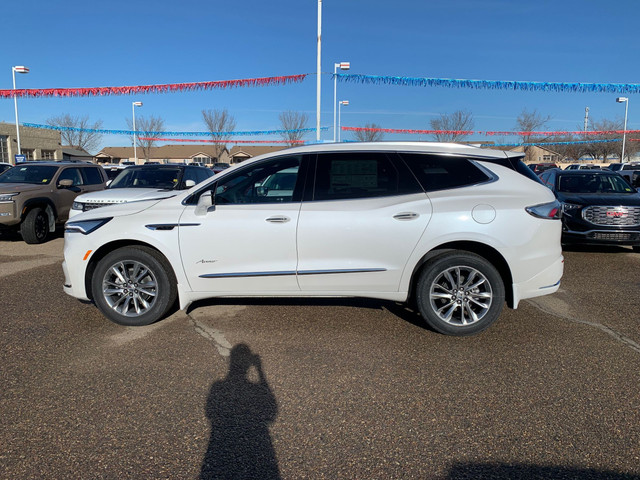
(460, 311)
(35, 226)
(129, 304)
(636, 248)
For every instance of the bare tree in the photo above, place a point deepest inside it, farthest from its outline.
(530, 122)
(219, 123)
(77, 136)
(369, 134)
(146, 136)
(607, 145)
(292, 122)
(452, 125)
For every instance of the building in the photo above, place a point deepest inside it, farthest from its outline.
(35, 143)
(204, 154)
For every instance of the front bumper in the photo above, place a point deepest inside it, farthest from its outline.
(628, 237)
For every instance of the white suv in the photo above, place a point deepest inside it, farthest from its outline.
(457, 228)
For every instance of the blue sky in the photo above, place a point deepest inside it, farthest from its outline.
(116, 43)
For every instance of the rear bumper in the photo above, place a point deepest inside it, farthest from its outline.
(544, 283)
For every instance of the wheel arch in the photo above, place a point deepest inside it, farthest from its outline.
(487, 252)
(41, 202)
(107, 248)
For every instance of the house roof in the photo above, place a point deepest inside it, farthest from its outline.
(165, 151)
(254, 151)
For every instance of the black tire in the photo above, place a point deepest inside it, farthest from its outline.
(126, 270)
(447, 303)
(35, 226)
(636, 248)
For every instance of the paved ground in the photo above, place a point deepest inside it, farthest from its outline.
(328, 389)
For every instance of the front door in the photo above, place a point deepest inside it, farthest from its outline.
(246, 243)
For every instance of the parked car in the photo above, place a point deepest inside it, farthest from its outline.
(4, 166)
(538, 168)
(36, 196)
(582, 166)
(143, 182)
(113, 170)
(599, 207)
(219, 167)
(454, 227)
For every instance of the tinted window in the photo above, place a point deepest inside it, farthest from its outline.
(148, 177)
(360, 175)
(202, 174)
(267, 182)
(190, 173)
(590, 183)
(440, 173)
(72, 174)
(92, 176)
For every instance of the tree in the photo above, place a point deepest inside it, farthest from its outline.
(290, 122)
(460, 120)
(370, 134)
(219, 123)
(530, 122)
(606, 147)
(144, 127)
(78, 137)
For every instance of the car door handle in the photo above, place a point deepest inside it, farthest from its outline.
(278, 219)
(406, 216)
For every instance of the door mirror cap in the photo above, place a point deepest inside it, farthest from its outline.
(205, 203)
(189, 183)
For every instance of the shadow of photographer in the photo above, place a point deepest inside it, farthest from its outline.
(240, 411)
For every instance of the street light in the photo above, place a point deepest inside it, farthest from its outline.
(341, 66)
(19, 69)
(345, 103)
(624, 100)
(135, 137)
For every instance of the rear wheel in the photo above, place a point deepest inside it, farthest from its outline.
(35, 226)
(636, 248)
(460, 293)
(134, 286)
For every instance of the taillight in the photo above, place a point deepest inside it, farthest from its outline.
(551, 211)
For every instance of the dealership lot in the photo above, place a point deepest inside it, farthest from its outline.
(350, 389)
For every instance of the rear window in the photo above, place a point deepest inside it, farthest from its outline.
(441, 173)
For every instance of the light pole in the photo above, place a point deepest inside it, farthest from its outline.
(135, 136)
(341, 66)
(19, 69)
(345, 103)
(319, 73)
(624, 100)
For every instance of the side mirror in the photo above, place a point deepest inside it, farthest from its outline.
(109, 182)
(66, 183)
(189, 183)
(205, 202)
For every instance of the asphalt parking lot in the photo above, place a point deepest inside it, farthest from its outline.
(343, 388)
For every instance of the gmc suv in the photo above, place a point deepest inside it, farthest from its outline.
(35, 196)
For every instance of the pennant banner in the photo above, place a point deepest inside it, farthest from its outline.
(142, 89)
(171, 134)
(182, 140)
(571, 87)
(491, 133)
(533, 144)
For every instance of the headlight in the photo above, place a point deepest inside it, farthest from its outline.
(570, 208)
(85, 226)
(7, 197)
(77, 206)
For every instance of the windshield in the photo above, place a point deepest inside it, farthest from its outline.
(590, 183)
(35, 174)
(147, 177)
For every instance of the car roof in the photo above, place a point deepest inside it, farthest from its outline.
(586, 171)
(54, 163)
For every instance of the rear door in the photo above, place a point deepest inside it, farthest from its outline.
(365, 215)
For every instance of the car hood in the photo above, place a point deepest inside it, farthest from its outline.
(124, 195)
(601, 199)
(20, 187)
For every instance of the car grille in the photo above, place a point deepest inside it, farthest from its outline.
(614, 237)
(90, 206)
(612, 216)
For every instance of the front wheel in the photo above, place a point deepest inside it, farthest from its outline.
(636, 248)
(133, 286)
(460, 293)
(35, 226)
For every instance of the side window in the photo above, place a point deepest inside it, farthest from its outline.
(72, 174)
(440, 173)
(273, 181)
(202, 174)
(350, 175)
(551, 182)
(190, 173)
(92, 176)
(544, 178)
